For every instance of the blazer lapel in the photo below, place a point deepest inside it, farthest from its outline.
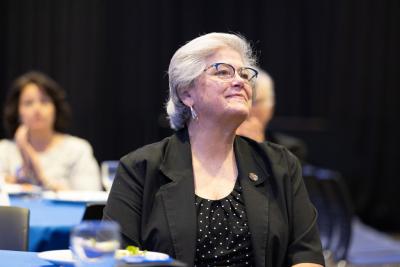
(253, 176)
(178, 196)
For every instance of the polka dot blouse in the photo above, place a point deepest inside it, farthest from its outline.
(223, 237)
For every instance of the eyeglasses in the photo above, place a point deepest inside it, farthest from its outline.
(226, 71)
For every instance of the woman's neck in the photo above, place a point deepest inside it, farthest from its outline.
(41, 140)
(211, 141)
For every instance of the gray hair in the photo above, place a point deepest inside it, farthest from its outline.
(189, 62)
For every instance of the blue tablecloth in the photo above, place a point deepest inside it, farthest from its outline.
(10, 258)
(371, 247)
(50, 222)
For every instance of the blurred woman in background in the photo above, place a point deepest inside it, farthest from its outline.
(36, 115)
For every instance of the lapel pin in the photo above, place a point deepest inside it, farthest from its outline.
(253, 176)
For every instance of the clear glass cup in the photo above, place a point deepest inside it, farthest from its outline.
(94, 243)
(108, 171)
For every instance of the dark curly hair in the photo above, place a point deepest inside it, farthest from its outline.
(50, 87)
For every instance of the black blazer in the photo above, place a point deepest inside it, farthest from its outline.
(153, 197)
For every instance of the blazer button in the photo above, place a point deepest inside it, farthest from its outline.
(253, 176)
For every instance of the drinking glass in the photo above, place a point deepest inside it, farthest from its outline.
(93, 243)
(108, 170)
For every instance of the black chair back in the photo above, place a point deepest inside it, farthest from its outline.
(93, 212)
(332, 200)
(14, 228)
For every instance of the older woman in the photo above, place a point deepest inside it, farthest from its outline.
(205, 195)
(36, 115)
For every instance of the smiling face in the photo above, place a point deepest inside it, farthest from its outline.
(36, 108)
(217, 99)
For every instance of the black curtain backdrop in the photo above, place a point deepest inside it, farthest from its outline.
(335, 65)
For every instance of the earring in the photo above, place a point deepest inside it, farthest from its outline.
(194, 113)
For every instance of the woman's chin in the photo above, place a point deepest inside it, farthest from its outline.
(39, 127)
(240, 108)
(238, 113)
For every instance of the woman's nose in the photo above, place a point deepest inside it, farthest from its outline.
(238, 81)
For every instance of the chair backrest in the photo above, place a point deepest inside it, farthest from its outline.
(332, 200)
(93, 212)
(14, 228)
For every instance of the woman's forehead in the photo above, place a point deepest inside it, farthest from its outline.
(32, 89)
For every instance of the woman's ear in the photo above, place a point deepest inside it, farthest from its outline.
(186, 97)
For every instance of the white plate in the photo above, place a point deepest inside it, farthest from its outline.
(59, 257)
(64, 257)
(76, 196)
(20, 189)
